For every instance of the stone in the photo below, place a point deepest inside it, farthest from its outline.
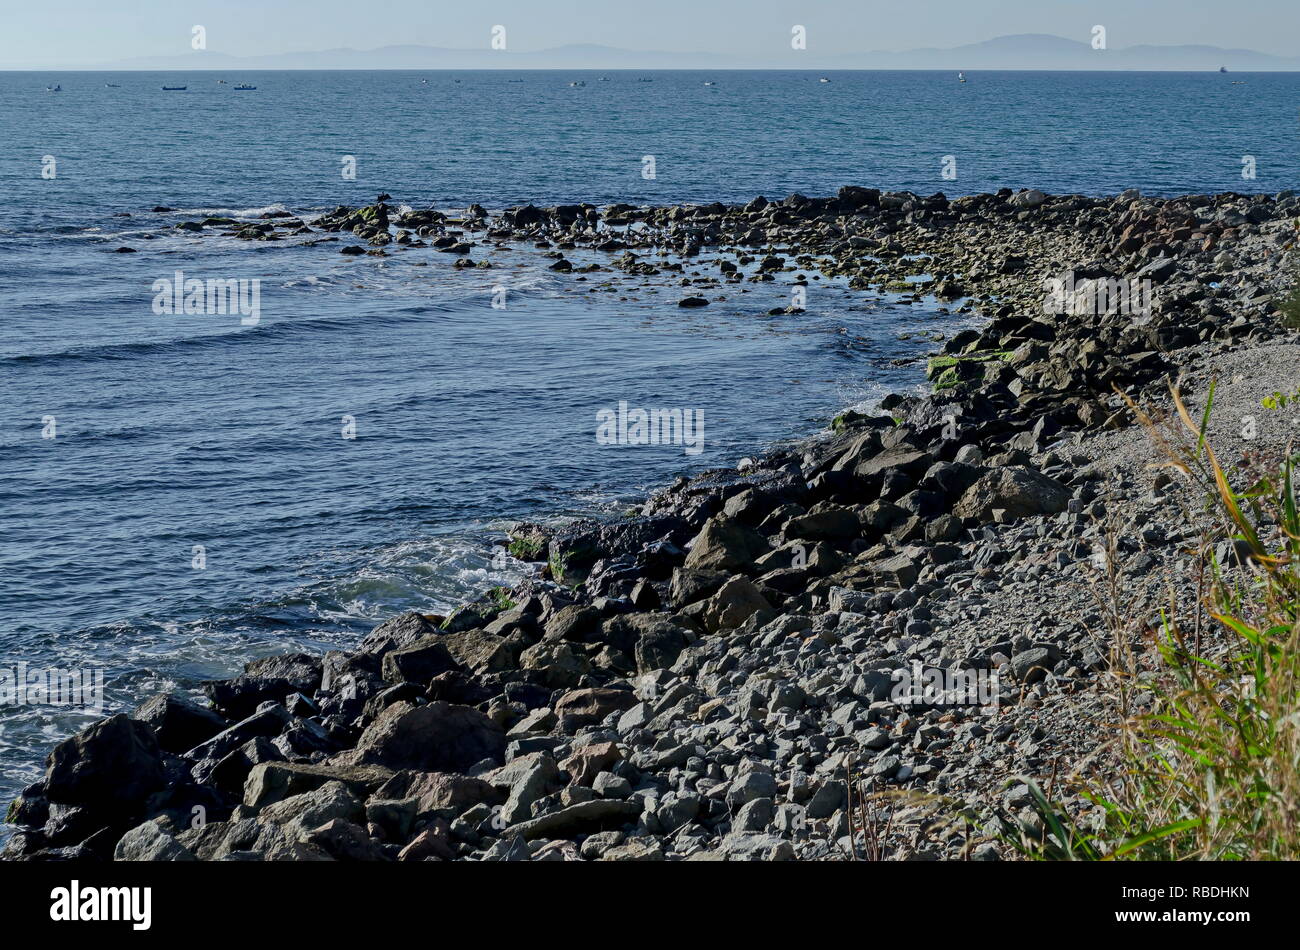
(609, 785)
(437, 737)
(587, 707)
(1018, 491)
(733, 604)
(149, 842)
(750, 786)
(178, 723)
(270, 782)
(528, 778)
(725, 544)
(1033, 664)
(345, 841)
(111, 766)
(301, 814)
(599, 814)
(400, 631)
(418, 662)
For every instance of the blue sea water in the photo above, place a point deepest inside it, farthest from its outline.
(175, 431)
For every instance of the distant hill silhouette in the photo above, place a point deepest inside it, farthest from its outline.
(1023, 51)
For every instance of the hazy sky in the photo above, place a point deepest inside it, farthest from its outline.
(69, 32)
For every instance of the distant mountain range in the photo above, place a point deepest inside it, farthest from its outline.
(1024, 51)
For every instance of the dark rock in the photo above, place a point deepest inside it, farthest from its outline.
(437, 737)
(178, 723)
(110, 766)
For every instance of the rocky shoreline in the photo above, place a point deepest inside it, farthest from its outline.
(715, 676)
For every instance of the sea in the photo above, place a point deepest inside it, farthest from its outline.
(180, 493)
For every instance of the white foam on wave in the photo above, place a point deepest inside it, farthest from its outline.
(233, 212)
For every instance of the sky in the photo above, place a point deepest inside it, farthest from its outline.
(78, 32)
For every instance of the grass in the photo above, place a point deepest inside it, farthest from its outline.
(525, 549)
(948, 370)
(1210, 757)
(499, 598)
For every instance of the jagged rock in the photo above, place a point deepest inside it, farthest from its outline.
(418, 662)
(270, 782)
(110, 766)
(178, 723)
(149, 842)
(401, 631)
(345, 841)
(440, 791)
(1017, 491)
(599, 814)
(437, 737)
(733, 604)
(725, 545)
(586, 707)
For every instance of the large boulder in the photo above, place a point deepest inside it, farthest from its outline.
(659, 640)
(555, 664)
(178, 723)
(436, 737)
(439, 791)
(303, 813)
(1017, 492)
(587, 707)
(109, 767)
(725, 544)
(480, 651)
(526, 779)
(733, 604)
(270, 782)
(418, 662)
(400, 631)
(149, 842)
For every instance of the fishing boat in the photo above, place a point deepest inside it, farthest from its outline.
(1223, 69)
(710, 83)
(577, 84)
(55, 88)
(221, 82)
(961, 77)
(112, 85)
(645, 79)
(604, 79)
(174, 88)
(243, 86)
(823, 79)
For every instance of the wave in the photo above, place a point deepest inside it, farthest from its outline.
(264, 333)
(219, 212)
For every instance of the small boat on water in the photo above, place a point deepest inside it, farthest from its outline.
(961, 77)
(174, 88)
(55, 88)
(604, 79)
(1223, 69)
(823, 79)
(645, 79)
(577, 84)
(221, 82)
(710, 83)
(112, 85)
(244, 86)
